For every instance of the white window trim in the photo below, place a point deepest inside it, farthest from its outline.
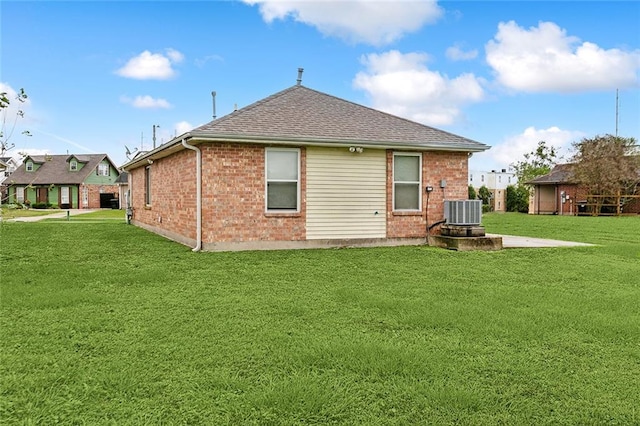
(147, 186)
(393, 180)
(73, 165)
(266, 182)
(63, 190)
(29, 166)
(20, 194)
(104, 169)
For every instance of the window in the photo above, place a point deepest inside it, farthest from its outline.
(73, 165)
(147, 185)
(482, 178)
(85, 196)
(64, 195)
(282, 171)
(471, 178)
(499, 179)
(29, 166)
(406, 181)
(20, 194)
(103, 169)
(509, 179)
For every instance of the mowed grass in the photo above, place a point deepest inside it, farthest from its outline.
(105, 323)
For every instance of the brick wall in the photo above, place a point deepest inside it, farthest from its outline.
(436, 166)
(233, 196)
(94, 192)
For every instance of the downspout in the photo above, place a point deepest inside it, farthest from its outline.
(198, 246)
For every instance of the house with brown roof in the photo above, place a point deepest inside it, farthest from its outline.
(557, 192)
(66, 181)
(300, 169)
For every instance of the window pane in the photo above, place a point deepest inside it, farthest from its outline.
(282, 165)
(406, 169)
(282, 195)
(407, 196)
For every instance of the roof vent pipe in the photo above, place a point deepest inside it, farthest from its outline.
(213, 99)
(300, 71)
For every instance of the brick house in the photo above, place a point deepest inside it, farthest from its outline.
(299, 169)
(558, 193)
(67, 181)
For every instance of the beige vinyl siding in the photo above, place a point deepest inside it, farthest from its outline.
(346, 193)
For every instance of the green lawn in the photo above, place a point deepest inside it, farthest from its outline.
(105, 323)
(13, 213)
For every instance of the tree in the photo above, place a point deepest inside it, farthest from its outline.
(472, 193)
(517, 199)
(609, 169)
(5, 103)
(484, 194)
(535, 163)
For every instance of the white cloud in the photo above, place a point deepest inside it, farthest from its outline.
(183, 127)
(374, 22)
(152, 66)
(401, 84)
(513, 148)
(456, 53)
(146, 102)
(545, 58)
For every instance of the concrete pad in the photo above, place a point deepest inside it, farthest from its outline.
(512, 241)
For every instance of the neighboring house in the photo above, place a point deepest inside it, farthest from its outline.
(557, 193)
(496, 182)
(7, 166)
(300, 169)
(123, 190)
(67, 181)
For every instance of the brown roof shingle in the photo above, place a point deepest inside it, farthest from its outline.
(54, 169)
(300, 113)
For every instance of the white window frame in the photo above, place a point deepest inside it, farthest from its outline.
(29, 166)
(85, 196)
(103, 169)
(65, 195)
(20, 194)
(147, 186)
(419, 182)
(267, 180)
(73, 165)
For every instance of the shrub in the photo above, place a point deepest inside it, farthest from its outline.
(472, 193)
(517, 199)
(41, 206)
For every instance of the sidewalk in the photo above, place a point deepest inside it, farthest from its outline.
(57, 215)
(512, 241)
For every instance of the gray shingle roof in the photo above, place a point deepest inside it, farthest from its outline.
(300, 113)
(54, 169)
(561, 173)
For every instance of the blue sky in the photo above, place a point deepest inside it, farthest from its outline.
(99, 75)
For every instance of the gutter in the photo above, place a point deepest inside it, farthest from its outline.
(196, 138)
(198, 246)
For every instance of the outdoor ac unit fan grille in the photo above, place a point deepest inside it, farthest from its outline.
(463, 212)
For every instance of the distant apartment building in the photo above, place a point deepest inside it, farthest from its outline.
(496, 182)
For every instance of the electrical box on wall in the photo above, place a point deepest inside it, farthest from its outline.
(443, 183)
